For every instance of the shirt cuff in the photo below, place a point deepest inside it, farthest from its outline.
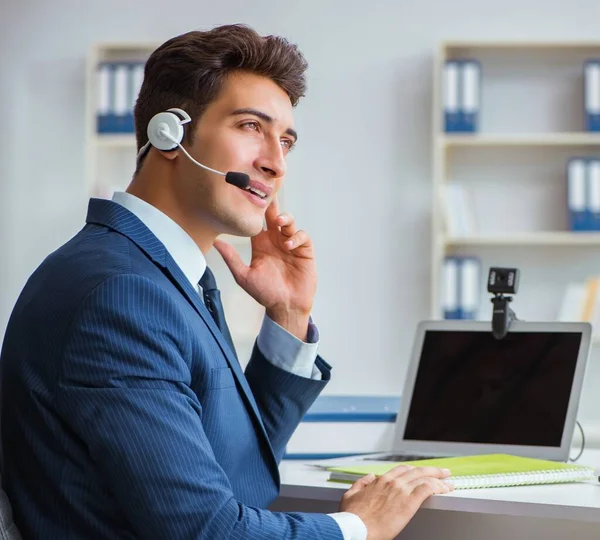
(287, 352)
(352, 527)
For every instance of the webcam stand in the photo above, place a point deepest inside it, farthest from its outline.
(502, 315)
(501, 283)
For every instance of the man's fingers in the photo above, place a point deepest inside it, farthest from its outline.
(396, 472)
(232, 258)
(415, 472)
(361, 483)
(436, 483)
(422, 472)
(287, 223)
(423, 488)
(300, 238)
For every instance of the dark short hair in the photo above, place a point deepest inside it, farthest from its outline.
(188, 71)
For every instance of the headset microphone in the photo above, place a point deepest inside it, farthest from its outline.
(166, 131)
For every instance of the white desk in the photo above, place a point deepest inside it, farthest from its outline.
(550, 512)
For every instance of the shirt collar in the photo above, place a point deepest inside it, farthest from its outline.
(185, 252)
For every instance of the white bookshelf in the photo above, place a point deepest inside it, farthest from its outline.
(520, 139)
(536, 134)
(110, 159)
(109, 166)
(125, 140)
(527, 239)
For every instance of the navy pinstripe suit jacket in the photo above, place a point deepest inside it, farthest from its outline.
(124, 412)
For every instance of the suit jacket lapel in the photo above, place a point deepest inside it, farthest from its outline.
(113, 215)
(193, 297)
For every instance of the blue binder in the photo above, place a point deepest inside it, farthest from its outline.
(470, 95)
(592, 94)
(452, 119)
(577, 194)
(462, 95)
(469, 287)
(122, 112)
(104, 77)
(118, 86)
(137, 79)
(450, 302)
(593, 195)
(462, 287)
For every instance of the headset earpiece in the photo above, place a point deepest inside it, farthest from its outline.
(166, 131)
(170, 122)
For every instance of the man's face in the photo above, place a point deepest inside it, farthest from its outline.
(248, 129)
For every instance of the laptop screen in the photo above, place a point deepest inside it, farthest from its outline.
(473, 388)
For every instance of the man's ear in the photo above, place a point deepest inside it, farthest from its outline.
(169, 154)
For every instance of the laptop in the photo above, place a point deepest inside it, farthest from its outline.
(468, 393)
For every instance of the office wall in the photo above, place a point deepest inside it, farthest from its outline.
(359, 180)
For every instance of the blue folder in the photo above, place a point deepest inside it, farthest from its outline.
(353, 409)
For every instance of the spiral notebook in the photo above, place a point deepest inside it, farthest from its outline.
(481, 471)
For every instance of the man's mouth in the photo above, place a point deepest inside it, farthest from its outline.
(260, 190)
(257, 192)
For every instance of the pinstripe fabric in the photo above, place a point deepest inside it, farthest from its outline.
(125, 414)
(8, 529)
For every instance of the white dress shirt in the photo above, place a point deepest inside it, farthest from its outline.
(278, 346)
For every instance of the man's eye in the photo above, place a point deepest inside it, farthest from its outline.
(251, 125)
(287, 144)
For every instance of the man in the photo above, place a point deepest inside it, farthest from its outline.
(125, 413)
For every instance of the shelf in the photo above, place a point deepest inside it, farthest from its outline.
(120, 46)
(521, 139)
(524, 135)
(127, 140)
(521, 45)
(528, 239)
(118, 140)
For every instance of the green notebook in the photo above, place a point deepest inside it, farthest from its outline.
(481, 471)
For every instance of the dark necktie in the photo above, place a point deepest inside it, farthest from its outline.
(212, 301)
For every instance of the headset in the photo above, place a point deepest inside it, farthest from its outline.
(166, 131)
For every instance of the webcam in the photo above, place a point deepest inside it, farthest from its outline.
(503, 280)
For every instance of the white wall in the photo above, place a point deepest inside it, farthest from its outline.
(359, 180)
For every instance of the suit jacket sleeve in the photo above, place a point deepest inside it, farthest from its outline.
(125, 392)
(282, 397)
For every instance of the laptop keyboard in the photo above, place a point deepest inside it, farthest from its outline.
(405, 457)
